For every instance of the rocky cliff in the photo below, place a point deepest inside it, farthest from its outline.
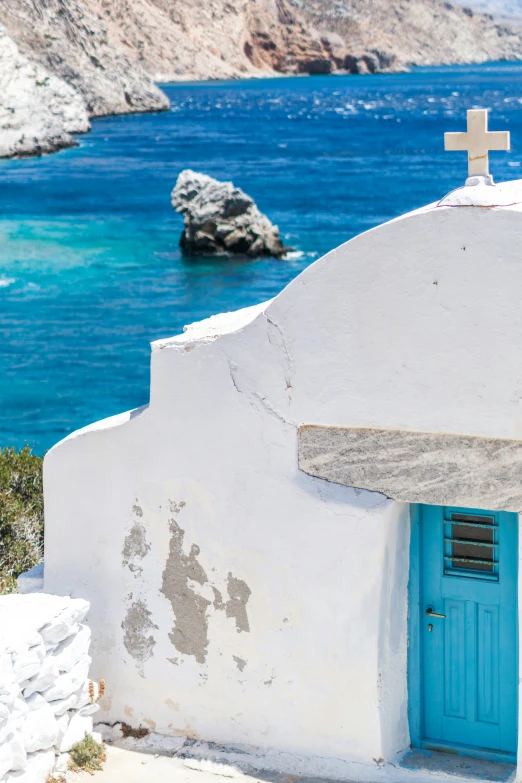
(62, 61)
(506, 10)
(409, 32)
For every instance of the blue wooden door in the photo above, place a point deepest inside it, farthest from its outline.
(468, 605)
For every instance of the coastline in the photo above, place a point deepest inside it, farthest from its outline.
(65, 62)
(62, 141)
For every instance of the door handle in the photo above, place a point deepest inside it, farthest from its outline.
(431, 613)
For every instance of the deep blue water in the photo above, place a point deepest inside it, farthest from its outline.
(90, 270)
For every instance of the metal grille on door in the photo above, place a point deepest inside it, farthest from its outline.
(471, 546)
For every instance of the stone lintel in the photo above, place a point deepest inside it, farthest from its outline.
(417, 467)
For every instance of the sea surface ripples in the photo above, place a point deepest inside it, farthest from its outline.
(90, 269)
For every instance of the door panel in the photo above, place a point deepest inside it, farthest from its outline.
(487, 663)
(469, 565)
(455, 659)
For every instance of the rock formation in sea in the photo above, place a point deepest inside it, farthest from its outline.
(99, 57)
(221, 219)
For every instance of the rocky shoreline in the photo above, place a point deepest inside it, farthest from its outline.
(63, 62)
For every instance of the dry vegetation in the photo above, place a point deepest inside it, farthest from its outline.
(87, 755)
(21, 514)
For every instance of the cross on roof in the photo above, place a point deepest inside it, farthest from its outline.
(477, 142)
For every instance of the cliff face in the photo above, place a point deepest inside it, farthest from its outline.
(38, 111)
(67, 39)
(504, 10)
(415, 33)
(64, 60)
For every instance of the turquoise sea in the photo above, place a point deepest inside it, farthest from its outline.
(90, 269)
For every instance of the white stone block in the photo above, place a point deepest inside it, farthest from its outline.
(66, 684)
(41, 678)
(19, 710)
(18, 750)
(9, 697)
(39, 767)
(24, 615)
(6, 672)
(31, 581)
(47, 675)
(78, 727)
(63, 724)
(40, 728)
(35, 702)
(62, 764)
(4, 715)
(6, 758)
(28, 662)
(89, 709)
(84, 696)
(61, 706)
(7, 731)
(77, 700)
(73, 649)
(11, 728)
(66, 622)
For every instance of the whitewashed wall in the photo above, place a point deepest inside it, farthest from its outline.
(46, 704)
(234, 598)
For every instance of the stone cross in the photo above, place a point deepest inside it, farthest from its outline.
(477, 142)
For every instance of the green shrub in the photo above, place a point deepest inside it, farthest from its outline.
(21, 514)
(87, 754)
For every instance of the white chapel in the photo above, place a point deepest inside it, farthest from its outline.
(306, 545)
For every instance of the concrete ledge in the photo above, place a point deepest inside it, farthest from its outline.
(417, 467)
(140, 761)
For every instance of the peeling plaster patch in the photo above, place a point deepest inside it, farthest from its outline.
(239, 593)
(136, 625)
(150, 723)
(190, 633)
(135, 547)
(240, 663)
(218, 599)
(176, 508)
(172, 704)
(187, 732)
(271, 680)
(175, 661)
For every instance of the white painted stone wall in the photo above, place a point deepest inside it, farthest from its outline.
(46, 705)
(235, 598)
